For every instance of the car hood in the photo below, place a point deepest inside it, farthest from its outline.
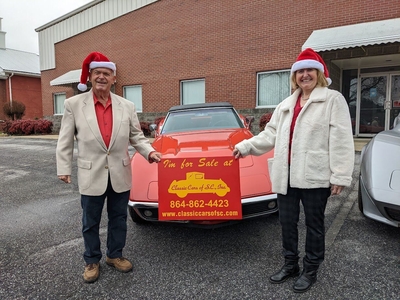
(219, 142)
(254, 177)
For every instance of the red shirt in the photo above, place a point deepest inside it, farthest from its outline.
(297, 110)
(104, 119)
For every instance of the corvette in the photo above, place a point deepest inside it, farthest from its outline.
(379, 181)
(201, 132)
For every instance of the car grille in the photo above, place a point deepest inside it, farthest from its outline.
(393, 213)
(257, 209)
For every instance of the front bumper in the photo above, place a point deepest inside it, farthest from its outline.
(378, 210)
(251, 208)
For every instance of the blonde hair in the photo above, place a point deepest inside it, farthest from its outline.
(321, 80)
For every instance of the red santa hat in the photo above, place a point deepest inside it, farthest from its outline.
(92, 61)
(308, 58)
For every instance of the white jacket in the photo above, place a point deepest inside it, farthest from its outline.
(322, 145)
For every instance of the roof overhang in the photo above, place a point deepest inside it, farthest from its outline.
(357, 35)
(5, 74)
(67, 78)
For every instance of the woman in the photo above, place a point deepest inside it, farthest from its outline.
(314, 158)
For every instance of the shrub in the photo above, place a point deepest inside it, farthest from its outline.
(43, 126)
(264, 120)
(158, 120)
(27, 127)
(14, 110)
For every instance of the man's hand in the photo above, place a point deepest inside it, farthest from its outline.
(155, 156)
(65, 178)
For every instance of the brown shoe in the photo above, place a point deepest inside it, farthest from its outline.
(92, 272)
(120, 263)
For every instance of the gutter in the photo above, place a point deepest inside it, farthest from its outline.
(10, 87)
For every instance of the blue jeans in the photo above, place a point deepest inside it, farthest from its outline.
(116, 233)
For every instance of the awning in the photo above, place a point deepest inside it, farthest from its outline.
(67, 78)
(357, 35)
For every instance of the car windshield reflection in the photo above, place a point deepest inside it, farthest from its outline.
(204, 119)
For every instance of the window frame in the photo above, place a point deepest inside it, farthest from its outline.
(138, 109)
(181, 84)
(258, 87)
(54, 103)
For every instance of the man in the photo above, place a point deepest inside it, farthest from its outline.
(103, 125)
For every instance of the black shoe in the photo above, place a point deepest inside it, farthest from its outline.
(305, 281)
(290, 269)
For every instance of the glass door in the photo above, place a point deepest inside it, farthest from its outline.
(394, 104)
(371, 113)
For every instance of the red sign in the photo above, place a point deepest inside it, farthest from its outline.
(199, 189)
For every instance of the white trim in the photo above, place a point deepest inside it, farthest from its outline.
(356, 35)
(87, 17)
(102, 64)
(67, 78)
(307, 64)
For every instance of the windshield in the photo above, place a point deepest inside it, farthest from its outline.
(201, 119)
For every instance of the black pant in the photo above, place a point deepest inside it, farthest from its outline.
(314, 203)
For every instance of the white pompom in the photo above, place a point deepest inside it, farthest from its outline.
(82, 87)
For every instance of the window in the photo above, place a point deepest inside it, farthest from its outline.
(193, 91)
(272, 88)
(59, 99)
(134, 94)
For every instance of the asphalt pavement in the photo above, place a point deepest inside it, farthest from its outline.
(41, 246)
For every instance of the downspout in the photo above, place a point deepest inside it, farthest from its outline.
(10, 88)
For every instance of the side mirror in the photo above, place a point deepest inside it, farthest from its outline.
(152, 127)
(249, 121)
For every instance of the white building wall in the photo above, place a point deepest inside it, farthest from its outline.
(84, 18)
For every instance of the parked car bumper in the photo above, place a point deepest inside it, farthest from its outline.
(380, 211)
(251, 208)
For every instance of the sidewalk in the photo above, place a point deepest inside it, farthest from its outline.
(358, 142)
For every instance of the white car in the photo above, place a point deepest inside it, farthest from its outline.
(379, 184)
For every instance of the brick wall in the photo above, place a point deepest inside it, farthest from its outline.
(226, 42)
(26, 90)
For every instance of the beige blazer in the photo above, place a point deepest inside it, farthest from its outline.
(95, 162)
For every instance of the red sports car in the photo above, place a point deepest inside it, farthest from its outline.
(204, 132)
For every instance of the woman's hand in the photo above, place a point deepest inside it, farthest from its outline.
(336, 189)
(237, 154)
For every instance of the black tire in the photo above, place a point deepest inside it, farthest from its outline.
(360, 203)
(135, 217)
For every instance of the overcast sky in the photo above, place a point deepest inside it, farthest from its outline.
(20, 18)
